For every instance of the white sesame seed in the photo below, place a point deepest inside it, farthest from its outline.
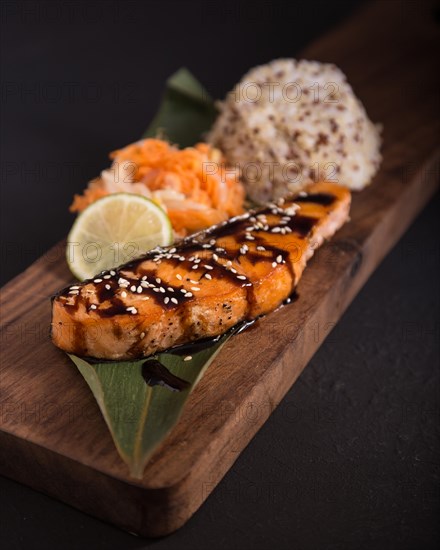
(188, 295)
(161, 289)
(183, 290)
(107, 277)
(208, 267)
(93, 306)
(208, 276)
(76, 287)
(191, 259)
(233, 270)
(155, 289)
(144, 278)
(108, 287)
(123, 294)
(172, 251)
(178, 276)
(195, 288)
(194, 282)
(174, 300)
(242, 277)
(215, 257)
(139, 289)
(112, 273)
(97, 280)
(274, 264)
(182, 258)
(261, 248)
(158, 280)
(228, 263)
(276, 229)
(142, 335)
(279, 258)
(166, 300)
(133, 288)
(188, 358)
(170, 289)
(195, 266)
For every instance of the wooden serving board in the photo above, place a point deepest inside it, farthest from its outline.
(52, 435)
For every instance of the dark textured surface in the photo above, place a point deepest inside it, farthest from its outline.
(350, 459)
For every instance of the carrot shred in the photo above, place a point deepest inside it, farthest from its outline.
(209, 192)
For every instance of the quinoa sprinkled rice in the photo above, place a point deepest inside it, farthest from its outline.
(304, 124)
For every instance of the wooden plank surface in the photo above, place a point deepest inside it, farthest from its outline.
(52, 435)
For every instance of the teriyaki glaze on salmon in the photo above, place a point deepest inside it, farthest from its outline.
(204, 285)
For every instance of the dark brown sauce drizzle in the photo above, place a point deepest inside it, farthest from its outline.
(303, 225)
(325, 199)
(205, 343)
(156, 374)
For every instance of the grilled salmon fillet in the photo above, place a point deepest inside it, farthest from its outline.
(201, 287)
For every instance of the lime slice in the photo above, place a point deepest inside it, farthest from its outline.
(114, 230)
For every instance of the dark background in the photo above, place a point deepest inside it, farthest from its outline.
(350, 459)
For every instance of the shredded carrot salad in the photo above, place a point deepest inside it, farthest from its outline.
(193, 185)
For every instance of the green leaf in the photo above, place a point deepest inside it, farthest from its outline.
(186, 112)
(138, 415)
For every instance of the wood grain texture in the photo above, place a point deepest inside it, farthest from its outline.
(52, 435)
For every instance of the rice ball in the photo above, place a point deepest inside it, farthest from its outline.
(289, 123)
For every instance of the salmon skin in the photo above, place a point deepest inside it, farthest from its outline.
(237, 270)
